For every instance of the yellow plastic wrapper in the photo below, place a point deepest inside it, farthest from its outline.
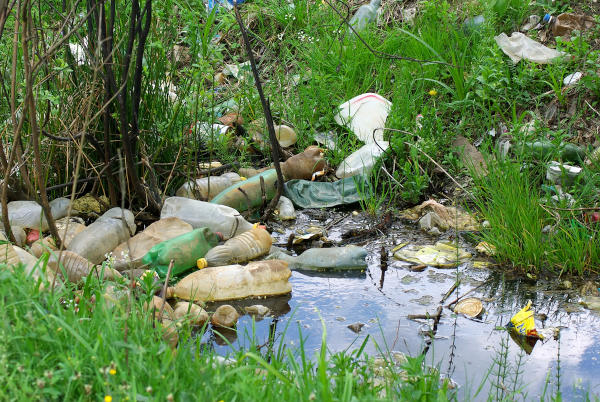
(523, 321)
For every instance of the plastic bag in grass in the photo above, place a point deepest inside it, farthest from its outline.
(184, 250)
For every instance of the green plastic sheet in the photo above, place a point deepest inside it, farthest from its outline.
(310, 194)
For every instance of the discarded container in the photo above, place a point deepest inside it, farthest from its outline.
(362, 161)
(475, 22)
(248, 194)
(241, 248)
(518, 46)
(18, 232)
(261, 278)
(251, 172)
(565, 23)
(572, 79)
(471, 307)
(219, 218)
(184, 250)
(286, 136)
(334, 258)
(365, 116)
(225, 316)
(591, 303)
(158, 304)
(543, 150)
(365, 15)
(190, 312)
(29, 214)
(47, 244)
(532, 22)
(102, 236)
(441, 255)
(470, 157)
(441, 216)
(523, 321)
(8, 255)
(207, 188)
(311, 194)
(207, 131)
(562, 174)
(285, 209)
(35, 268)
(75, 268)
(169, 332)
(129, 254)
(304, 165)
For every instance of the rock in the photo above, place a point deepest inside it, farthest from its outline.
(225, 316)
(195, 314)
(258, 310)
(356, 327)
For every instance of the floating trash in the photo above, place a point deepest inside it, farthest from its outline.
(470, 307)
(441, 254)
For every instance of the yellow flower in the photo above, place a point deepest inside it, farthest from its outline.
(108, 398)
(112, 371)
(433, 92)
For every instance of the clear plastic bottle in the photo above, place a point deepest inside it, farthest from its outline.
(219, 218)
(334, 258)
(207, 188)
(365, 15)
(260, 278)
(75, 268)
(247, 194)
(241, 248)
(29, 214)
(104, 235)
(286, 209)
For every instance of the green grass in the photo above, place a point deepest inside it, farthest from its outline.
(54, 351)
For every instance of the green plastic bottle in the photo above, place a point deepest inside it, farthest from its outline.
(247, 194)
(185, 250)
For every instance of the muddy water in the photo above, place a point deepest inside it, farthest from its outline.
(463, 349)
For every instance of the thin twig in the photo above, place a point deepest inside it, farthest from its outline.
(164, 289)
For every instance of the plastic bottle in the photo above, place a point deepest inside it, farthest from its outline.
(304, 164)
(219, 218)
(365, 15)
(286, 210)
(241, 248)
(206, 188)
(102, 236)
(362, 161)
(129, 254)
(185, 250)
(335, 258)
(260, 278)
(76, 268)
(248, 194)
(29, 214)
(8, 255)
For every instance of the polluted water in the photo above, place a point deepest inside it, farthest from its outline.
(379, 298)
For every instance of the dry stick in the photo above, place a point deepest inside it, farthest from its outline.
(35, 132)
(164, 290)
(468, 293)
(275, 151)
(571, 209)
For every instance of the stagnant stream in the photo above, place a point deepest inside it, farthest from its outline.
(464, 349)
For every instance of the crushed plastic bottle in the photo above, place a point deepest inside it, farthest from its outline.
(8, 255)
(206, 188)
(241, 248)
(260, 278)
(29, 214)
(220, 218)
(305, 165)
(75, 268)
(248, 194)
(365, 15)
(102, 236)
(285, 209)
(184, 250)
(334, 258)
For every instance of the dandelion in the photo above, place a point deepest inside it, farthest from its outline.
(112, 371)
(432, 92)
(108, 398)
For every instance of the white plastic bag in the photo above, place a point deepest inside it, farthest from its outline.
(518, 46)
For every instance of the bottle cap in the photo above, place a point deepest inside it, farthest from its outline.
(201, 263)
